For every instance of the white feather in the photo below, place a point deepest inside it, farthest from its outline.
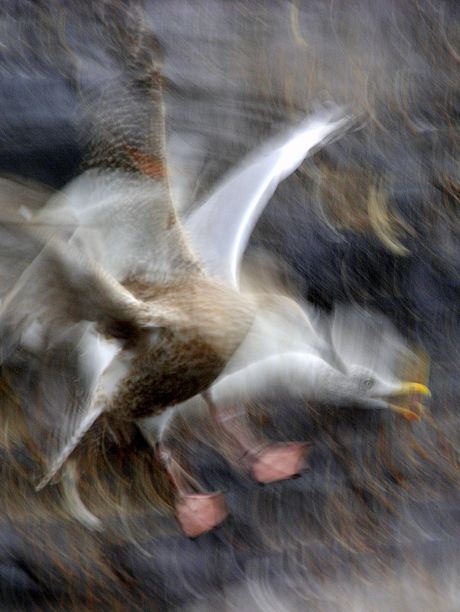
(221, 227)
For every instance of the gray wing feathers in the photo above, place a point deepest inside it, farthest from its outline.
(366, 338)
(104, 388)
(127, 222)
(56, 464)
(61, 286)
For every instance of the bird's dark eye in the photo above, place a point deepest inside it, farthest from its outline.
(368, 383)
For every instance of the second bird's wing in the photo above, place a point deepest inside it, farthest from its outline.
(221, 227)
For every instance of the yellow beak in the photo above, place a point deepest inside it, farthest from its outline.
(407, 388)
(410, 388)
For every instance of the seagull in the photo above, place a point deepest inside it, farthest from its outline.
(352, 360)
(282, 356)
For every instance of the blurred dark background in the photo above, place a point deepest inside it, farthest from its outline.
(373, 220)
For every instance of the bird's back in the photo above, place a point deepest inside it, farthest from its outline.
(174, 363)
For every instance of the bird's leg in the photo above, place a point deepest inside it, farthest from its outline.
(266, 462)
(195, 511)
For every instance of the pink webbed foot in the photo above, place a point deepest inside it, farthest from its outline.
(279, 461)
(266, 463)
(197, 513)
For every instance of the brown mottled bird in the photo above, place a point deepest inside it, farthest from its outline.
(113, 252)
(176, 325)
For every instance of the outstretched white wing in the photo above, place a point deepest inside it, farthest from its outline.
(221, 227)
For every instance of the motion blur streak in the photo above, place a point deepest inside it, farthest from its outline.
(369, 225)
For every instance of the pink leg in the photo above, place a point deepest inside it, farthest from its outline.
(195, 512)
(266, 462)
(279, 461)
